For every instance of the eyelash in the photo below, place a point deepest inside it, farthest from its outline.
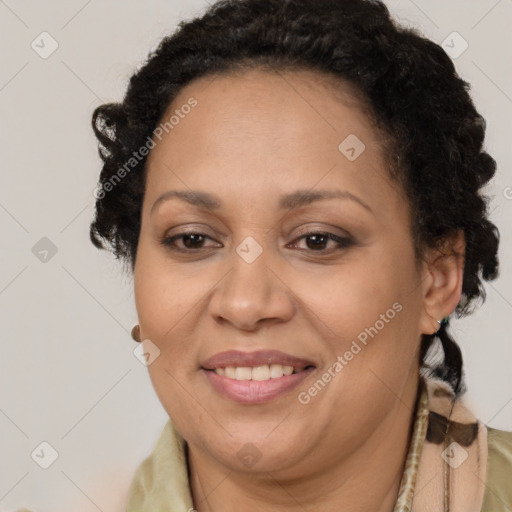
(343, 242)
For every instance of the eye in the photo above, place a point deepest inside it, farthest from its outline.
(192, 241)
(317, 241)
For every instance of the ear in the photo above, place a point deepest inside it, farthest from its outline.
(443, 270)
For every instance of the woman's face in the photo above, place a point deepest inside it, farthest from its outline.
(245, 292)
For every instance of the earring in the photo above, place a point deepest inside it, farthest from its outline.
(136, 333)
(443, 321)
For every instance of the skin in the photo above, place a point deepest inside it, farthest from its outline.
(252, 137)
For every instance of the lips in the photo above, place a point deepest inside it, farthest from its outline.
(255, 377)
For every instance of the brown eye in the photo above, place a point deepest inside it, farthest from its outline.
(317, 241)
(191, 241)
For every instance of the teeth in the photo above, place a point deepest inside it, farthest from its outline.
(287, 370)
(259, 373)
(276, 371)
(243, 373)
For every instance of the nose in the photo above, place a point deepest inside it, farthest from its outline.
(252, 294)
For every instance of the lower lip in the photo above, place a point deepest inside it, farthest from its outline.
(254, 391)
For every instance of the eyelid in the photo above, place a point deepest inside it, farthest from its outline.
(343, 241)
(323, 228)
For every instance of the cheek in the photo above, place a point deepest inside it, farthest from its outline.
(166, 300)
(165, 293)
(369, 310)
(349, 298)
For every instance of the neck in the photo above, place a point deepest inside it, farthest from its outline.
(368, 480)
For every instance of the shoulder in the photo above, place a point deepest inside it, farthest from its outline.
(498, 491)
(161, 480)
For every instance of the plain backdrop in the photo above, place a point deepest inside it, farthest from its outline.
(68, 374)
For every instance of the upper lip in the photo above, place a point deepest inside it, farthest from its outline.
(256, 358)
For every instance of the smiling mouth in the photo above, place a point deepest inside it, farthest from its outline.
(259, 373)
(256, 377)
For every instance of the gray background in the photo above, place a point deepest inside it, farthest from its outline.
(68, 373)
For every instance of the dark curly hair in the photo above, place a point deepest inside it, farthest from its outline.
(435, 135)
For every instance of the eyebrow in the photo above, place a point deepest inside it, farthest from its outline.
(289, 201)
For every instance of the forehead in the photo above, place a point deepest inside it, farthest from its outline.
(269, 131)
(275, 104)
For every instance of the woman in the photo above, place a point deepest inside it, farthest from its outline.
(296, 188)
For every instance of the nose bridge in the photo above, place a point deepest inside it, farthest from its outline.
(250, 292)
